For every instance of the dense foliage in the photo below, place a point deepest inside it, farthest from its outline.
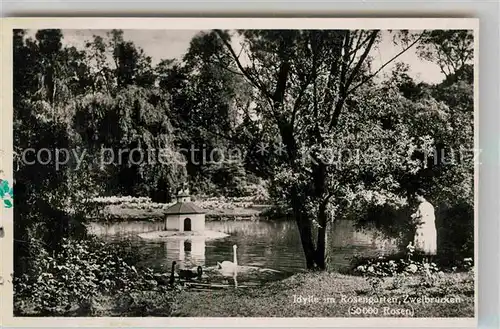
(69, 281)
(350, 145)
(63, 101)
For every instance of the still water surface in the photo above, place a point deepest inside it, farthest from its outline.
(264, 244)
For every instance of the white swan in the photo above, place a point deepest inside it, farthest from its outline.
(227, 267)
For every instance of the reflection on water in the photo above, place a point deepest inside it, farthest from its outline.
(274, 245)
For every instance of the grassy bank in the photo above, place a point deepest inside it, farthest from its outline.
(131, 304)
(127, 208)
(302, 295)
(336, 296)
(128, 212)
(156, 303)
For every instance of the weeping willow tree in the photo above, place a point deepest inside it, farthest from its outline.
(131, 139)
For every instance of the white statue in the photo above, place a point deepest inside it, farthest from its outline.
(425, 239)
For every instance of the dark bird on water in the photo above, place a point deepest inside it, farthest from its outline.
(188, 274)
(185, 274)
(172, 278)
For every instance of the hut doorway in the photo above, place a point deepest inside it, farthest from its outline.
(187, 224)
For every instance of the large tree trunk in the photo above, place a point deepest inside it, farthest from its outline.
(320, 190)
(315, 254)
(321, 240)
(321, 249)
(307, 243)
(305, 231)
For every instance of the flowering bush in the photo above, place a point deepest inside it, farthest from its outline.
(376, 271)
(382, 267)
(121, 199)
(385, 268)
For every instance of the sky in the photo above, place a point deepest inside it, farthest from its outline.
(169, 44)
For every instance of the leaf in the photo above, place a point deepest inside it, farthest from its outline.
(7, 203)
(11, 192)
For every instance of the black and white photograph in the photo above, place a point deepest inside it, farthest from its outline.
(235, 172)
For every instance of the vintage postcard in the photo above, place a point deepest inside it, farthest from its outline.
(224, 172)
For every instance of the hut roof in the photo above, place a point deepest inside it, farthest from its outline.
(184, 208)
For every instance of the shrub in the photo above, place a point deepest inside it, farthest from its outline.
(382, 267)
(83, 270)
(455, 228)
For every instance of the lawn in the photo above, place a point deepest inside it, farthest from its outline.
(301, 295)
(335, 295)
(156, 211)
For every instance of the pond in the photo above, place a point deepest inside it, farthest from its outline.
(265, 244)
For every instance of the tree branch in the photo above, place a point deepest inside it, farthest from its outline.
(254, 80)
(332, 76)
(383, 66)
(343, 83)
(298, 100)
(222, 64)
(359, 45)
(229, 70)
(361, 60)
(240, 66)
